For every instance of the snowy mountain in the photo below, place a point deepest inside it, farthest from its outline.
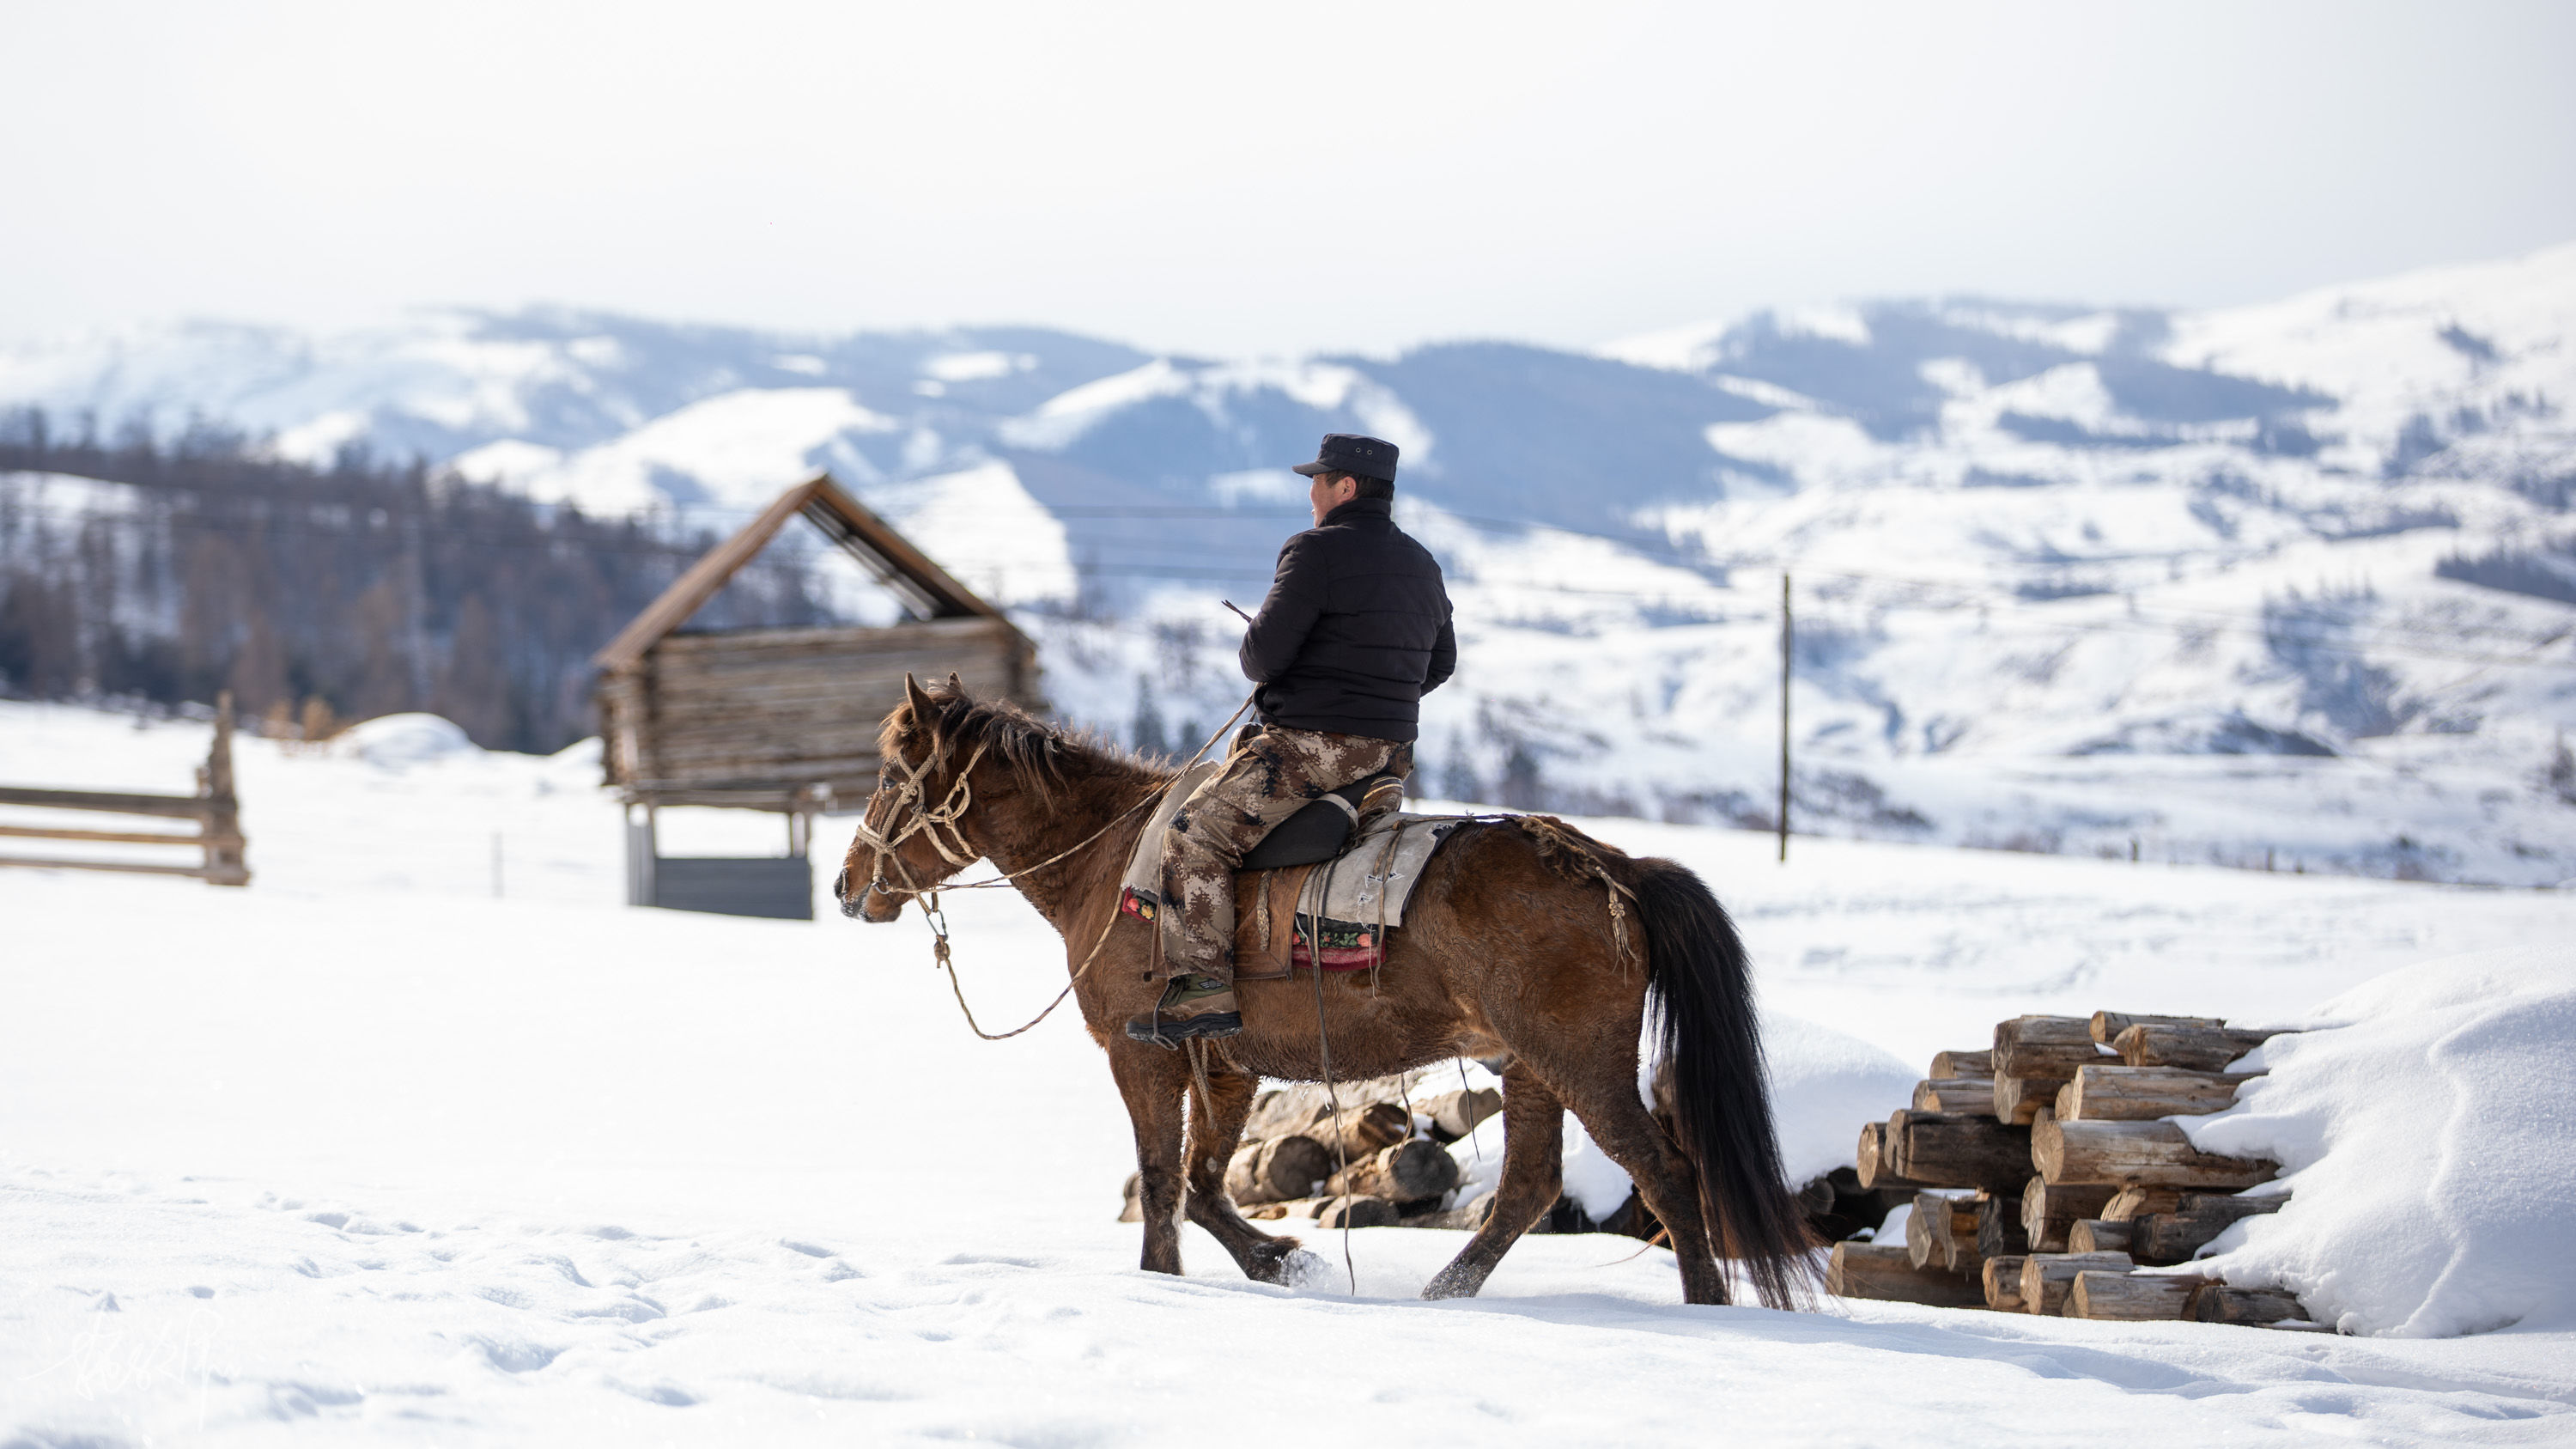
(2293, 582)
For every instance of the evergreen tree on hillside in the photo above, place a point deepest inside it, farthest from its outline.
(1458, 778)
(1145, 732)
(365, 585)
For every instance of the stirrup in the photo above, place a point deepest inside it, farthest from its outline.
(1169, 1035)
(1170, 1032)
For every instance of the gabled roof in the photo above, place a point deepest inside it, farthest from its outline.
(925, 588)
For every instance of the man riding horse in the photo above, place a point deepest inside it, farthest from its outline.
(1354, 632)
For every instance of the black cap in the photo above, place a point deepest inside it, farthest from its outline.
(1353, 453)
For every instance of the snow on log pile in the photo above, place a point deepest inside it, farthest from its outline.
(2422, 1123)
(2397, 1164)
(2048, 1176)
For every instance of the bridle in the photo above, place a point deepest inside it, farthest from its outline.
(910, 813)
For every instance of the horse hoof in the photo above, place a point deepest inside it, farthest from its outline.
(1450, 1283)
(1303, 1271)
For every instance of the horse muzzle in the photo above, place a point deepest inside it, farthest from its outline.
(855, 904)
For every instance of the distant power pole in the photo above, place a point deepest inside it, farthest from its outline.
(1788, 630)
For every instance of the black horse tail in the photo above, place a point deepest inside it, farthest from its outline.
(1710, 1045)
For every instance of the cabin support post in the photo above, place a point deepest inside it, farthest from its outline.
(641, 848)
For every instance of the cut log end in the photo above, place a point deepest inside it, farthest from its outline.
(2046, 1278)
(1877, 1166)
(2130, 1297)
(2043, 1048)
(1406, 1172)
(2002, 1281)
(2106, 1026)
(2143, 1094)
(1941, 1232)
(2136, 1154)
(1972, 1095)
(2252, 1307)
(1277, 1170)
(2132, 1203)
(1882, 1271)
(2193, 1048)
(2093, 1235)
(2049, 1212)
(1946, 1149)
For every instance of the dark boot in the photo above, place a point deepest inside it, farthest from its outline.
(1192, 1006)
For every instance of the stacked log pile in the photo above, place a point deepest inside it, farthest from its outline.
(2046, 1174)
(1380, 1160)
(1383, 1162)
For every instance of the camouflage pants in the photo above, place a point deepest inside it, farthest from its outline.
(1267, 779)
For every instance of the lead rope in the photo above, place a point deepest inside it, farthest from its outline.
(1206, 1107)
(1467, 1099)
(1324, 1058)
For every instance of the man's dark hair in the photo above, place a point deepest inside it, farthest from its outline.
(1368, 487)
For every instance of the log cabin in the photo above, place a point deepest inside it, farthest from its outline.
(781, 720)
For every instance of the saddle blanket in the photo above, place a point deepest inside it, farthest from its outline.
(1352, 895)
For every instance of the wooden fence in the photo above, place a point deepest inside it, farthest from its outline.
(215, 808)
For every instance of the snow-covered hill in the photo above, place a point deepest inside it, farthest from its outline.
(2294, 582)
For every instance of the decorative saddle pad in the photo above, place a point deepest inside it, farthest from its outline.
(1354, 894)
(1369, 883)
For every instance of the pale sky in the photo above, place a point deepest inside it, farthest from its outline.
(1232, 179)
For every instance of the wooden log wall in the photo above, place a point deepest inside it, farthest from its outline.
(2048, 1176)
(770, 712)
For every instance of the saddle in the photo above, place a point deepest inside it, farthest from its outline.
(1335, 874)
(1323, 829)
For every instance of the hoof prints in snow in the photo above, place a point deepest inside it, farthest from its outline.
(516, 1358)
(476, 1330)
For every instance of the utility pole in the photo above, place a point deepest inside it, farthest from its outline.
(1788, 630)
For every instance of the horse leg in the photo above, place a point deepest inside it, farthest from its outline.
(1212, 1138)
(1152, 1080)
(1605, 1101)
(1533, 1177)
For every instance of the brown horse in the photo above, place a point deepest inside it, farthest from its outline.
(1509, 946)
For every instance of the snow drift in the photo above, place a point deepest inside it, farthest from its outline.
(2424, 1135)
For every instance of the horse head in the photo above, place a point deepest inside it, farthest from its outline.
(909, 840)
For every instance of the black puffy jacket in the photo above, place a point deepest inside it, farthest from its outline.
(1355, 629)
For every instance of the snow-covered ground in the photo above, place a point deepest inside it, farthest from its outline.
(364, 1154)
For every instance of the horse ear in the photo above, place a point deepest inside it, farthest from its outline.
(956, 685)
(916, 696)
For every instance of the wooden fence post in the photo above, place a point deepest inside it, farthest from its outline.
(226, 850)
(214, 808)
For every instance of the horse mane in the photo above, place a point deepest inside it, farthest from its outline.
(1044, 759)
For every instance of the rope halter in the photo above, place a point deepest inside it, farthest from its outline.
(910, 813)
